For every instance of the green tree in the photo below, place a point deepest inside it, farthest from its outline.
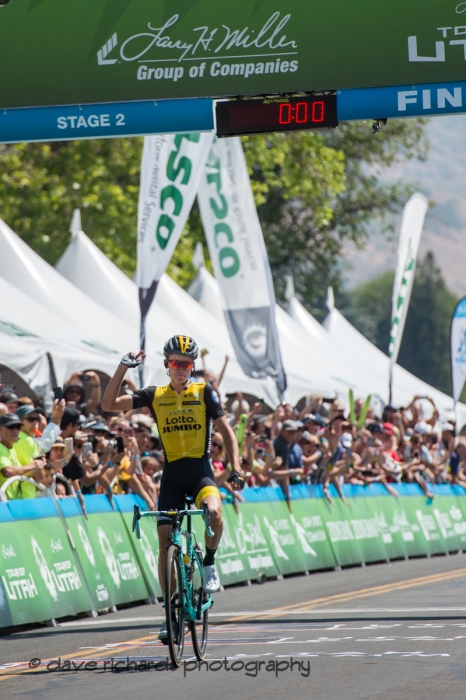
(306, 226)
(425, 348)
(369, 308)
(313, 191)
(42, 183)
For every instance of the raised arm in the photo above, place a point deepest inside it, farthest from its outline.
(223, 370)
(111, 401)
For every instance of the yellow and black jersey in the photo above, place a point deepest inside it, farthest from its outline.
(184, 420)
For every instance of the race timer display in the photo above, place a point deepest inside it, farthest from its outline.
(275, 114)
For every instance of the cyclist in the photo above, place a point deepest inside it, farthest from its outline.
(184, 411)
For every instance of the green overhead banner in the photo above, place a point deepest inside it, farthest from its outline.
(57, 52)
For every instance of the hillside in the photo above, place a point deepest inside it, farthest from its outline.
(442, 178)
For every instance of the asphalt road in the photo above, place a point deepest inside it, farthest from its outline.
(386, 631)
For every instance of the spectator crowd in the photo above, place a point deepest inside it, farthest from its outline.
(80, 449)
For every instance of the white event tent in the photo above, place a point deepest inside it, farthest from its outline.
(313, 349)
(96, 335)
(173, 311)
(87, 267)
(29, 363)
(40, 329)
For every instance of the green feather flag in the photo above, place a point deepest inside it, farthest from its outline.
(364, 411)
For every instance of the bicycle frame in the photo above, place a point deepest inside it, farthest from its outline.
(186, 557)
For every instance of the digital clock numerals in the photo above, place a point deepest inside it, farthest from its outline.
(299, 113)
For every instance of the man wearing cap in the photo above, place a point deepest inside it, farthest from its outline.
(100, 430)
(31, 443)
(56, 454)
(73, 391)
(10, 465)
(27, 446)
(11, 401)
(313, 423)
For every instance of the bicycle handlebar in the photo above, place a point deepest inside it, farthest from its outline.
(155, 513)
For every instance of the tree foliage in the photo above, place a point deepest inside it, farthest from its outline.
(42, 183)
(337, 194)
(425, 348)
(315, 191)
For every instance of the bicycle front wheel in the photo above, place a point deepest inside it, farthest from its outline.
(174, 605)
(200, 627)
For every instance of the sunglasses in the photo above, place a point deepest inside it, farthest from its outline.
(217, 444)
(32, 419)
(13, 427)
(180, 364)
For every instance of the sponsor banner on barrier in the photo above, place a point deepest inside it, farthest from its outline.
(287, 538)
(147, 548)
(109, 536)
(20, 600)
(450, 519)
(384, 513)
(347, 529)
(231, 558)
(90, 555)
(39, 575)
(308, 518)
(250, 535)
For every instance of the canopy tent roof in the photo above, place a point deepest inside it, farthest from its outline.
(92, 326)
(39, 328)
(306, 349)
(204, 289)
(87, 267)
(30, 363)
(173, 311)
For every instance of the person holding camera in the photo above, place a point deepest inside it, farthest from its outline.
(10, 465)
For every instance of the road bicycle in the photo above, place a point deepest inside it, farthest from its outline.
(185, 600)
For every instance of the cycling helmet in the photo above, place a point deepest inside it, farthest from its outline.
(181, 345)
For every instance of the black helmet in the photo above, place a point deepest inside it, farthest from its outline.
(181, 345)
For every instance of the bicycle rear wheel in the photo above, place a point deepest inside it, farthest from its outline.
(174, 605)
(200, 627)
